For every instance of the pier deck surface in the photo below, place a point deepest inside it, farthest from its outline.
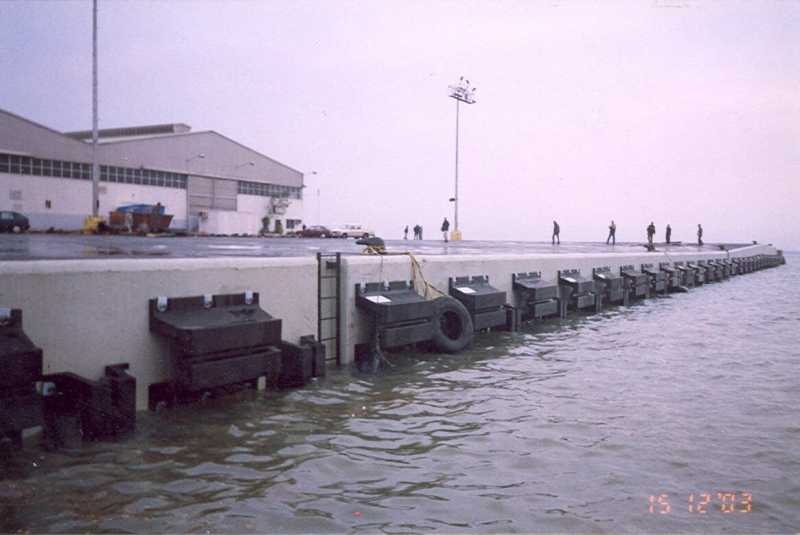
(71, 246)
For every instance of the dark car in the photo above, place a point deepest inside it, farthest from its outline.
(315, 231)
(13, 222)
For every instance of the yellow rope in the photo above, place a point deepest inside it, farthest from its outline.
(416, 270)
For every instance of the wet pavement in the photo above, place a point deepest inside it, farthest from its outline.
(73, 246)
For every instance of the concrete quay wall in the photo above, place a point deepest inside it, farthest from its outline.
(86, 314)
(356, 325)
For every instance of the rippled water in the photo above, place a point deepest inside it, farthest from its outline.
(566, 427)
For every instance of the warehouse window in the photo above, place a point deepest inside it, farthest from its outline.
(269, 190)
(24, 165)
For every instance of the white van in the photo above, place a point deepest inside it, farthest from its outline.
(350, 231)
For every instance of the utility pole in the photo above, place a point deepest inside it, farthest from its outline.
(461, 92)
(95, 168)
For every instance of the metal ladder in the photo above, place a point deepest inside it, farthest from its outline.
(329, 304)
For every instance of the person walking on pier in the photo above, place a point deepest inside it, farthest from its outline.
(445, 228)
(416, 232)
(556, 233)
(699, 234)
(669, 233)
(405, 233)
(651, 231)
(612, 233)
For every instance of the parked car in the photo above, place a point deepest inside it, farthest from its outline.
(351, 231)
(13, 222)
(315, 231)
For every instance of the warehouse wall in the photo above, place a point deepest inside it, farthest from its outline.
(71, 199)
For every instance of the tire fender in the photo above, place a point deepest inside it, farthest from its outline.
(452, 325)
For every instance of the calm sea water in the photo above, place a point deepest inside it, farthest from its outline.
(569, 426)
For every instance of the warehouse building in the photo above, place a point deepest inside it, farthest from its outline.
(210, 183)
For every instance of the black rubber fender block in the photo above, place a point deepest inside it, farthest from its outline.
(452, 325)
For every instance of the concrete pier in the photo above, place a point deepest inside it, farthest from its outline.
(86, 314)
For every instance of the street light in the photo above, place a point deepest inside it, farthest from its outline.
(199, 156)
(461, 92)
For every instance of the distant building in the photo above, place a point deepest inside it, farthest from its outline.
(210, 183)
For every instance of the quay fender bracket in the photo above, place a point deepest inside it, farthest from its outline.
(21, 360)
(656, 277)
(609, 285)
(216, 341)
(637, 283)
(577, 291)
(537, 298)
(484, 303)
(400, 316)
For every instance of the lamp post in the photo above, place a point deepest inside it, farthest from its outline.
(95, 167)
(461, 92)
(199, 156)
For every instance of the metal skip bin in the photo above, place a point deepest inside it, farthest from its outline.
(637, 283)
(485, 303)
(401, 315)
(217, 340)
(21, 361)
(609, 285)
(658, 279)
(539, 298)
(576, 291)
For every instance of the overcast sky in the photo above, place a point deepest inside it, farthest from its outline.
(672, 111)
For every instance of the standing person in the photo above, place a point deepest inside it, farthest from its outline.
(556, 233)
(612, 233)
(420, 232)
(405, 233)
(445, 228)
(669, 233)
(416, 232)
(699, 234)
(651, 231)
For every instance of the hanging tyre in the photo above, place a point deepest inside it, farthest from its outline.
(452, 325)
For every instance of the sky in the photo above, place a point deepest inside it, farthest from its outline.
(677, 112)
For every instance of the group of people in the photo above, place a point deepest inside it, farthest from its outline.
(651, 232)
(556, 239)
(418, 230)
(612, 234)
